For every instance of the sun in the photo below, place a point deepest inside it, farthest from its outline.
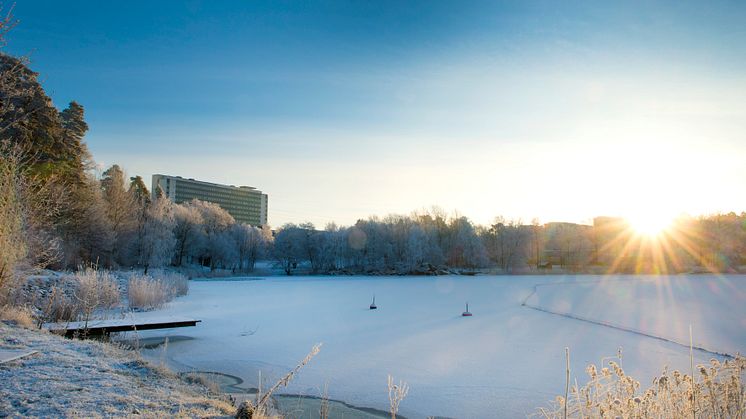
(649, 224)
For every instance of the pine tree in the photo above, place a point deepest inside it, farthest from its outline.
(139, 190)
(74, 153)
(27, 113)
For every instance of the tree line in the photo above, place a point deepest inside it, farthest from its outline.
(429, 242)
(54, 212)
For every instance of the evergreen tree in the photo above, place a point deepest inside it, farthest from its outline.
(139, 190)
(75, 154)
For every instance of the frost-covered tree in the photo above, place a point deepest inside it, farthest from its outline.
(187, 232)
(249, 245)
(156, 243)
(327, 250)
(416, 250)
(86, 229)
(288, 247)
(507, 243)
(467, 249)
(122, 211)
(216, 240)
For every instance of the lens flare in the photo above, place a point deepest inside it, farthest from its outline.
(649, 224)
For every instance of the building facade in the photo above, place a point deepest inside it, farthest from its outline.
(245, 203)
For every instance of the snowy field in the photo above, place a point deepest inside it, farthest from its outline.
(505, 361)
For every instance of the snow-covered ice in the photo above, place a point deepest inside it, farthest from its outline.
(505, 361)
(714, 306)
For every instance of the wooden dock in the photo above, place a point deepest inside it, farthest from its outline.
(106, 327)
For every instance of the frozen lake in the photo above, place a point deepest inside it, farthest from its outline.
(505, 361)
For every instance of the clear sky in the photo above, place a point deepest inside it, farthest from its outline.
(341, 110)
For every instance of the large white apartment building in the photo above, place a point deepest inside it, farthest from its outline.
(245, 203)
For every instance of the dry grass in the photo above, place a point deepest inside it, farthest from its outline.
(716, 391)
(177, 283)
(11, 289)
(324, 407)
(146, 292)
(211, 386)
(59, 307)
(100, 284)
(260, 408)
(95, 289)
(20, 316)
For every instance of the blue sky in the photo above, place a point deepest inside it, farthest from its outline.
(340, 110)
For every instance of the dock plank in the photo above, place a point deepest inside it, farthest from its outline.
(105, 327)
(9, 355)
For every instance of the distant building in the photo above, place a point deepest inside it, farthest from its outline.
(245, 203)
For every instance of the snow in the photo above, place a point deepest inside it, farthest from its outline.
(72, 378)
(505, 361)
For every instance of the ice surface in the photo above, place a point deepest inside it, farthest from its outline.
(715, 307)
(505, 361)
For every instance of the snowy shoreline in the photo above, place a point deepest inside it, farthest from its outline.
(73, 378)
